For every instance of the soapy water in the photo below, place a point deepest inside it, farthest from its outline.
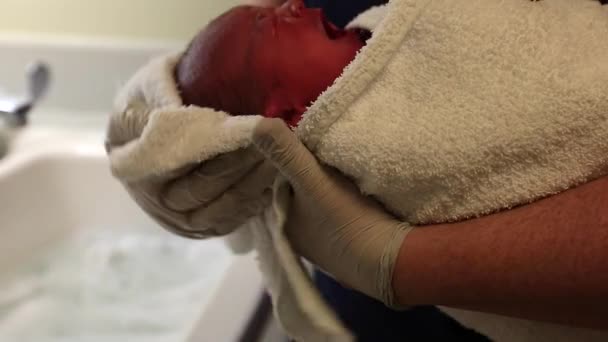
(140, 285)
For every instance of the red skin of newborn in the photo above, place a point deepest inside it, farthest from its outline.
(269, 61)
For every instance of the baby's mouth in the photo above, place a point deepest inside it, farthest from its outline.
(333, 32)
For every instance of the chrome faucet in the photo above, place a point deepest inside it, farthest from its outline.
(14, 111)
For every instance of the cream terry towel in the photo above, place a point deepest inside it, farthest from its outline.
(460, 108)
(173, 135)
(457, 109)
(454, 109)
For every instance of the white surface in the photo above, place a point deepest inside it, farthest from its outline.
(55, 183)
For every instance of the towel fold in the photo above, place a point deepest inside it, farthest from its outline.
(456, 109)
(172, 135)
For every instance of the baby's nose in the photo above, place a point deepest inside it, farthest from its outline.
(292, 8)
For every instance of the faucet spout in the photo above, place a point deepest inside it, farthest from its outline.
(15, 112)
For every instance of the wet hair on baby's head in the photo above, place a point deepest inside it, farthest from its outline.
(209, 74)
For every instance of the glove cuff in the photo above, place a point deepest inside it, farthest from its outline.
(386, 269)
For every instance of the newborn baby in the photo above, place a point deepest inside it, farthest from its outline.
(433, 117)
(452, 110)
(269, 61)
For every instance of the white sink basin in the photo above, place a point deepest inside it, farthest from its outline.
(55, 188)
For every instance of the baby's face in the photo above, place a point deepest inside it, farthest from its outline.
(271, 61)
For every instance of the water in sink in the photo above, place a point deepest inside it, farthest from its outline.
(141, 285)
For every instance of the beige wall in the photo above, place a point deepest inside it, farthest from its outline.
(149, 19)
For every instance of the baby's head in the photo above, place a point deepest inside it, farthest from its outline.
(269, 61)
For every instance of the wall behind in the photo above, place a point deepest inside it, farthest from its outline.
(172, 20)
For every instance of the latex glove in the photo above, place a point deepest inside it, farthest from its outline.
(204, 200)
(330, 222)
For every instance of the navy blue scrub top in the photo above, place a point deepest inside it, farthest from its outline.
(341, 12)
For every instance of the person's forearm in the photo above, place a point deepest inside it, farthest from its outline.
(546, 261)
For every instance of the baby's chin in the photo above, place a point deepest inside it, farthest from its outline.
(362, 35)
(353, 39)
(293, 120)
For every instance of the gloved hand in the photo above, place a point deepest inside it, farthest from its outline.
(203, 200)
(330, 222)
